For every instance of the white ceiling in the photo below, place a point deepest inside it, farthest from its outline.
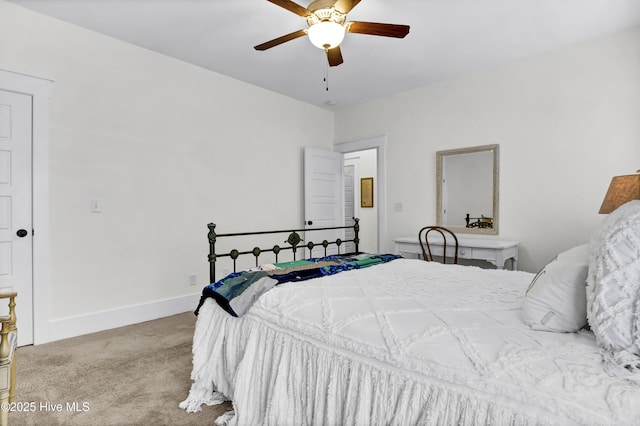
(447, 38)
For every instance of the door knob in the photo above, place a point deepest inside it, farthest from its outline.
(310, 222)
(22, 233)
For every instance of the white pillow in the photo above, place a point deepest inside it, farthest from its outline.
(613, 293)
(578, 253)
(556, 299)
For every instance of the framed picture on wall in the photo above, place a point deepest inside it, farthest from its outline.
(366, 192)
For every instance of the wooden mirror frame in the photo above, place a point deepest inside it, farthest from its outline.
(440, 155)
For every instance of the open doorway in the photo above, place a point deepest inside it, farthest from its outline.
(374, 226)
(360, 165)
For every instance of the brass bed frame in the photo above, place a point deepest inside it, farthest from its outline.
(8, 345)
(293, 240)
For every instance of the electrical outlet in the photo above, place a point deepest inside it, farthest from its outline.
(193, 279)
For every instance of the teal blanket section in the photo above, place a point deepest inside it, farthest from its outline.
(358, 262)
(294, 263)
(229, 291)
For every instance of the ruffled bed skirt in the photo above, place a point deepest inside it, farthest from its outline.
(276, 378)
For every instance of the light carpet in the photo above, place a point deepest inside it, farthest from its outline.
(134, 375)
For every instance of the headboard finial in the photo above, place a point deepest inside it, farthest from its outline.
(212, 232)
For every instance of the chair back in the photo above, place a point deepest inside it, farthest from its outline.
(446, 235)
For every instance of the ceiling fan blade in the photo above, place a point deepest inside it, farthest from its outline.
(334, 56)
(376, 28)
(292, 7)
(345, 6)
(280, 40)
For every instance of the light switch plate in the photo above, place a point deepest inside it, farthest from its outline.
(193, 279)
(96, 206)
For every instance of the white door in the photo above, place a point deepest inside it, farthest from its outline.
(16, 240)
(323, 197)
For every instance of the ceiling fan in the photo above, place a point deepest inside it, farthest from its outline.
(327, 27)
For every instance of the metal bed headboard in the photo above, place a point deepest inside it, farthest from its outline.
(293, 240)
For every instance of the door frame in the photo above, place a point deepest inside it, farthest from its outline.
(378, 143)
(40, 90)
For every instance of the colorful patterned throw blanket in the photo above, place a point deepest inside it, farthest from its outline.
(237, 292)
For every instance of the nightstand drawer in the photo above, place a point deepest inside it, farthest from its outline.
(464, 253)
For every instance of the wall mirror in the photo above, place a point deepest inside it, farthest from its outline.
(467, 189)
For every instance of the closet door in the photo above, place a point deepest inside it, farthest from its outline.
(16, 237)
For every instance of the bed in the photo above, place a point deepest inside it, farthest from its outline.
(410, 342)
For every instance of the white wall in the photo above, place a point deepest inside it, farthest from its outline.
(566, 122)
(167, 147)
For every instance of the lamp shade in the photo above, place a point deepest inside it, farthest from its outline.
(326, 34)
(621, 190)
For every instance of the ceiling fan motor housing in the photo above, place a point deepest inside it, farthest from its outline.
(326, 15)
(321, 4)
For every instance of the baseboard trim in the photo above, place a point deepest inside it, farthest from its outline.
(105, 320)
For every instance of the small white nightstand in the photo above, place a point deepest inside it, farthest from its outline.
(491, 250)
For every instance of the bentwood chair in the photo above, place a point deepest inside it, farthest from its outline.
(448, 238)
(8, 344)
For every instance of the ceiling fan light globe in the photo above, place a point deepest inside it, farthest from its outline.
(326, 34)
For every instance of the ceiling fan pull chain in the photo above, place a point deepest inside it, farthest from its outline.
(326, 76)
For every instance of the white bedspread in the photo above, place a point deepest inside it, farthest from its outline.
(403, 343)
